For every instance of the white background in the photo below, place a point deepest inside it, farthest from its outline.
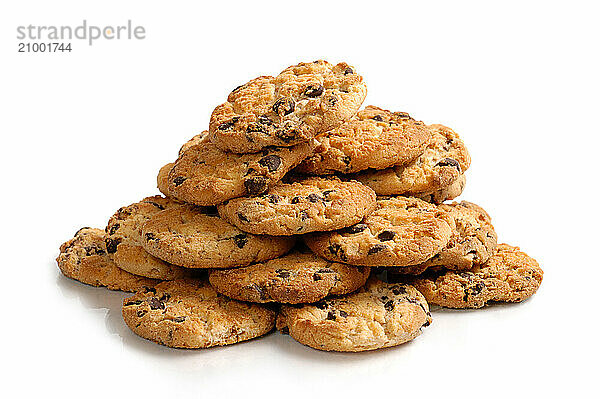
(85, 133)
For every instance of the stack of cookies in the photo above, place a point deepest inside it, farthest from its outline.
(299, 210)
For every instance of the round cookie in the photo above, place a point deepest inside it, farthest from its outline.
(84, 258)
(124, 240)
(301, 102)
(294, 278)
(374, 138)
(508, 276)
(196, 237)
(401, 231)
(205, 175)
(440, 165)
(189, 313)
(379, 315)
(443, 194)
(302, 206)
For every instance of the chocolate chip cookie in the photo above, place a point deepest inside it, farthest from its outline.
(190, 314)
(84, 258)
(443, 194)
(510, 275)
(401, 231)
(302, 206)
(197, 237)
(374, 138)
(205, 175)
(443, 161)
(294, 278)
(301, 102)
(379, 315)
(124, 240)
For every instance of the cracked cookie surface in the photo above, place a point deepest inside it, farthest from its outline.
(379, 315)
(84, 258)
(301, 206)
(124, 240)
(196, 237)
(189, 313)
(294, 278)
(510, 275)
(401, 231)
(205, 175)
(301, 102)
(374, 138)
(443, 161)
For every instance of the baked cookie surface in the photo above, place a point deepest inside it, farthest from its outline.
(189, 313)
(205, 175)
(374, 138)
(401, 231)
(294, 278)
(510, 275)
(444, 194)
(379, 315)
(196, 237)
(302, 206)
(443, 161)
(84, 258)
(301, 102)
(124, 240)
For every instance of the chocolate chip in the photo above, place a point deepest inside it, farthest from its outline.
(271, 162)
(256, 185)
(303, 215)
(111, 245)
(130, 303)
(313, 91)
(114, 228)
(343, 314)
(141, 313)
(337, 251)
(386, 235)
(179, 319)
(255, 127)
(295, 200)
(331, 315)
(449, 162)
(348, 71)
(156, 204)
(377, 118)
(346, 160)
(398, 290)
(273, 198)
(313, 197)
(240, 240)
(149, 289)
(286, 134)
(179, 180)
(284, 106)
(376, 248)
(242, 217)
(260, 291)
(228, 125)
(317, 277)
(282, 273)
(326, 193)
(155, 303)
(94, 250)
(322, 305)
(357, 228)
(150, 237)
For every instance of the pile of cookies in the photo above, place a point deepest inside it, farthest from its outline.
(297, 210)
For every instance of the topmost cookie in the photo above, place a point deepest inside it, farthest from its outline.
(301, 102)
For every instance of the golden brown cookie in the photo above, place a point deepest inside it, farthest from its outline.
(189, 313)
(401, 231)
(379, 315)
(84, 258)
(124, 240)
(301, 102)
(302, 206)
(205, 175)
(510, 275)
(374, 138)
(443, 161)
(444, 194)
(197, 237)
(294, 278)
